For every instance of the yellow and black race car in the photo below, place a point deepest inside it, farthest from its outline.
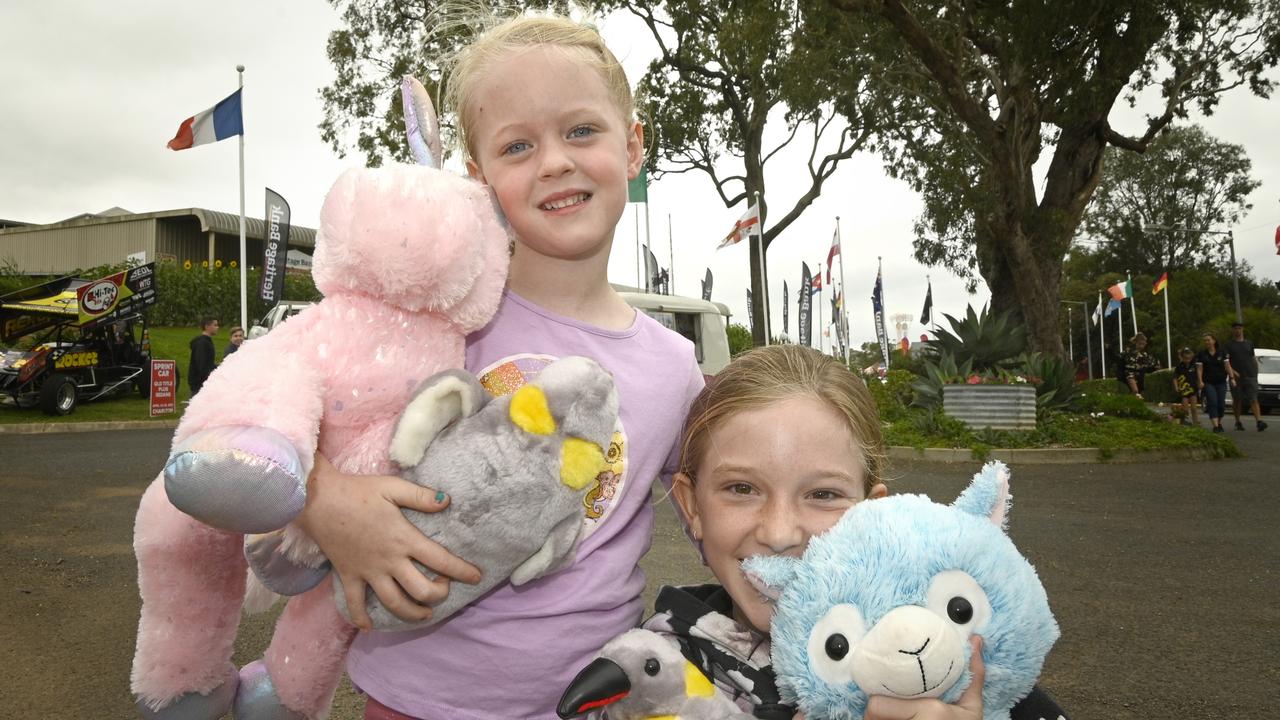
(78, 340)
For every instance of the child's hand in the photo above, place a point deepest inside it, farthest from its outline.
(356, 521)
(968, 707)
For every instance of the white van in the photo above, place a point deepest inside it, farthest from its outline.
(705, 323)
(1268, 379)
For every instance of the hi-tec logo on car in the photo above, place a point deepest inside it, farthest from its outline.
(100, 297)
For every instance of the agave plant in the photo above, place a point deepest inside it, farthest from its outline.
(1055, 380)
(988, 341)
(938, 372)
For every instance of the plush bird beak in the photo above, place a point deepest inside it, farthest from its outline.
(600, 683)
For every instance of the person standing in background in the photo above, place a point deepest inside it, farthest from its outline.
(1213, 367)
(237, 339)
(1244, 377)
(203, 355)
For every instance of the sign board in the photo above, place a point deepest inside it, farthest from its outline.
(131, 289)
(164, 387)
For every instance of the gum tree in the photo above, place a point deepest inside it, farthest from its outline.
(985, 90)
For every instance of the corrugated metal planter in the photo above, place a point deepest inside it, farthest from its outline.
(999, 407)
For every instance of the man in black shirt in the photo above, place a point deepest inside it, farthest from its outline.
(202, 354)
(1244, 376)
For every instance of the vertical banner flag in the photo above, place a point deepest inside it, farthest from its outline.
(274, 247)
(219, 122)
(706, 286)
(638, 189)
(786, 303)
(831, 254)
(750, 320)
(747, 225)
(928, 305)
(877, 305)
(804, 321)
(1160, 284)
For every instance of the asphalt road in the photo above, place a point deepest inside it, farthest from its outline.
(1163, 577)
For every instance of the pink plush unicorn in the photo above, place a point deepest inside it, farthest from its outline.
(410, 260)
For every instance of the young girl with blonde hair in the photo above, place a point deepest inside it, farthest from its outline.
(547, 123)
(776, 448)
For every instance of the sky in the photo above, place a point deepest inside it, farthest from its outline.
(92, 91)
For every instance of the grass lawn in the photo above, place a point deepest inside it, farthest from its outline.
(167, 343)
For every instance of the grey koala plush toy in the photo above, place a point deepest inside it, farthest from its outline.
(515, 467)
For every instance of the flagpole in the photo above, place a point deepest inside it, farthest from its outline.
(648, 243)
(1088, 344)
(671, 258)
(840, 252)
(1102, 336)
(1168, 340)
(639, 257)
(244, 305)
(821, 328)
(1133, 309)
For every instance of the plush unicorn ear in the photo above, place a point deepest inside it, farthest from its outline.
(420, 123)
(443, 398)
(770, 574)
(988, 495)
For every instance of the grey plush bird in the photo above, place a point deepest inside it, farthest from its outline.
(641, 675)
(515, 467)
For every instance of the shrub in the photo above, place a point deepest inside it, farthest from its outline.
(894, 395)
(1114, 405)
(1159, 388)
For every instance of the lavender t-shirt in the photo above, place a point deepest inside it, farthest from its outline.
(511, 654)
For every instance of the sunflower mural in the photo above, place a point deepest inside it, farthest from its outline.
(510, 374)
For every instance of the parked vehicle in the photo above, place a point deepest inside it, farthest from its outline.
(73, 340)
(1268, 379)
(705, 323)
(282, 311)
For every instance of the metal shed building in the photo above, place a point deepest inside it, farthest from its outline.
(194, 234)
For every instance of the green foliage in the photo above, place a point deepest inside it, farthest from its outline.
(894, 395)
(1158, 388)
(184, 295)
(987, 341)
(984, 94)
(1055, 381)
(1113, 405)
(739, 339)
(931, 428)
(1185, 179)
(937, 373)
(1101, 386)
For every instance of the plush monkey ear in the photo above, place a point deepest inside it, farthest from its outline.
(443, 398)
(988, 494)
(420, 123)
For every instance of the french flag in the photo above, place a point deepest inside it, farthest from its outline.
(217, 123)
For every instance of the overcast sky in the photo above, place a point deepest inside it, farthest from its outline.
(92, 91)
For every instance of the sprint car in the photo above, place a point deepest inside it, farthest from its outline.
(73, 340)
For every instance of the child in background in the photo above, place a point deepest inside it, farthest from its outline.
(776, 448)
(547, 122)
(1187, 385)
